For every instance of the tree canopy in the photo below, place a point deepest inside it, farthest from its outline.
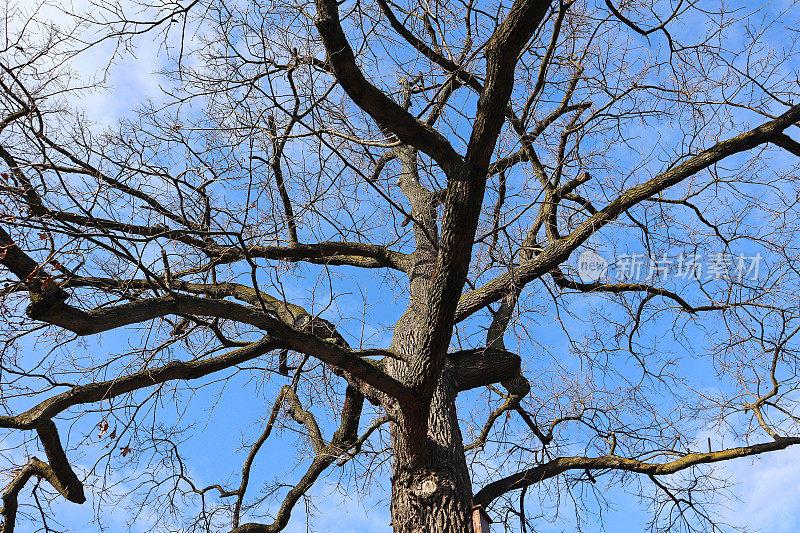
(508, 254)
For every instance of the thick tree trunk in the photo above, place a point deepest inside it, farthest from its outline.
(435, 497)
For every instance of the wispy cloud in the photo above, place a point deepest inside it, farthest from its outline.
(768, 490)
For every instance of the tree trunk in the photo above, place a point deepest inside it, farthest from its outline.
(435, 497)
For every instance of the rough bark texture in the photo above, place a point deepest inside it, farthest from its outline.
(437, 496)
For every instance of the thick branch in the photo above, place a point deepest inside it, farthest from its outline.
(40, 469)
(787, 143)
(48, 305)
(559, 251)
(502, 54)
(39, 416)
(613, 462)
(387, 113)
(67, 479)
(484, 366)
(328, 253)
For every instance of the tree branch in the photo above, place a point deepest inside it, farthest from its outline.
(484, 366)
(613, 462)
(387, 113)
(559, 250)
(344, 437)
(40, 415)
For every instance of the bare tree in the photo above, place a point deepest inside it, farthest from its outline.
(450, 160)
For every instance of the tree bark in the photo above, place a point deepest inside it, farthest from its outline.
(435, 497)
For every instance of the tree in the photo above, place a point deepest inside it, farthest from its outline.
(469, 166)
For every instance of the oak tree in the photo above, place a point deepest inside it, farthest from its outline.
(393, 243)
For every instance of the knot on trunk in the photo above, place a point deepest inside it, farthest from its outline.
(427, 486)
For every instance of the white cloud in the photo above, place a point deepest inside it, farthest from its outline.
(768, 490)
(128, 73)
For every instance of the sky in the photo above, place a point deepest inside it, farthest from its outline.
(766, 492)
